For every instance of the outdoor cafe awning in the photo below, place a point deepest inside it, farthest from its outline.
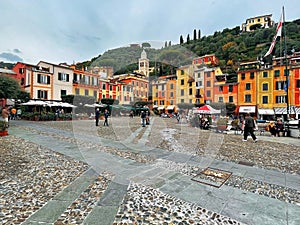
(170, 107)
(247, 109)
(160, 107)
(282, 110)
(265, 111)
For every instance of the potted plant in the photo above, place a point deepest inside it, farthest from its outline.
(222, 124)
(3, 128)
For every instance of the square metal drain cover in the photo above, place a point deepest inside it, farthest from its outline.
(212, 176)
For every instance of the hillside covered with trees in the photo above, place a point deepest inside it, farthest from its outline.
(231, 46)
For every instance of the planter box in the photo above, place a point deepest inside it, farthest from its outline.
(221, 127)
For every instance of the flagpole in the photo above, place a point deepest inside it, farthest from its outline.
(286, 73)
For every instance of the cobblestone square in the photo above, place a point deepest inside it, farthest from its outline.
(75, 173)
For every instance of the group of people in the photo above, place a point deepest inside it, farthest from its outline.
(204, 123)
(145, 117)
(10, 113)
(97, 117)
(275, 128)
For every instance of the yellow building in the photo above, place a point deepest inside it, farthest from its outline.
(164, 93)
(85, 83)
(252, 23)
(265, 90)
(186, 88)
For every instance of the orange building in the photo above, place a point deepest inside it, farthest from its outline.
(85, 83)
(225, 92)
(139, 84)
(164, 93)
(247, 88)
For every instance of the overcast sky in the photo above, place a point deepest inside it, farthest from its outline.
(78, 30)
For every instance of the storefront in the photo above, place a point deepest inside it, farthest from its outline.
(282, 112)
(266, 114)
(170, 108)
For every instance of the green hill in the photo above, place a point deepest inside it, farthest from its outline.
(230, 46)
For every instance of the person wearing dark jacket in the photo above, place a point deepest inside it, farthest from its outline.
(143, 117)
(97, 116)
(249, 128)
(106, 114)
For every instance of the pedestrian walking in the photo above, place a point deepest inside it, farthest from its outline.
(19, 114)
(148, 117)
(97, 116)
(143, 117)
(178, 117)
(13, 114)
(106, 114)
(249, 128)
(131, 114)
(5, 114)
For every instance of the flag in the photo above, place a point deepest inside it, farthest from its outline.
(286, 85)
(278, 34)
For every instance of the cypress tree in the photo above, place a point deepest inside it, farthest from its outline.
(181, 39)
(188, 39)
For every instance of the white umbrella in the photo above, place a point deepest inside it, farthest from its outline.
(67, 105)
(34, 102)
(89, 105)
(95, 105)
(53, 104)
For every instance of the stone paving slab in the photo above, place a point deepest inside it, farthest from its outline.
(293, 215)
(50, 212)
(102, 215)
(178, 157)
(113, 195)
(77, 186)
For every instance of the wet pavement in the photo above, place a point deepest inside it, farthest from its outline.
(129, 168)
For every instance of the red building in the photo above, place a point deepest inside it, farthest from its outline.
(207, 59)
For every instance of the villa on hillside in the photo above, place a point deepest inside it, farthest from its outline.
(253, 23)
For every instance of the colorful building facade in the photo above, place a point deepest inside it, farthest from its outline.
(264, 21)
(164, 93)
(85, 83)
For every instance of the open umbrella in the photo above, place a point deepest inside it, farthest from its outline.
(207, 109)
(95, 105)
(67, 105)
(35, 103)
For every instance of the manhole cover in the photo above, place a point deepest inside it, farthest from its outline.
(212, 176)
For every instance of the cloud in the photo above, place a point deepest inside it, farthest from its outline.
(10, 57)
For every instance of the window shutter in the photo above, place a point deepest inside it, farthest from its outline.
(67, 77)
(48, 79)
(39, 78)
